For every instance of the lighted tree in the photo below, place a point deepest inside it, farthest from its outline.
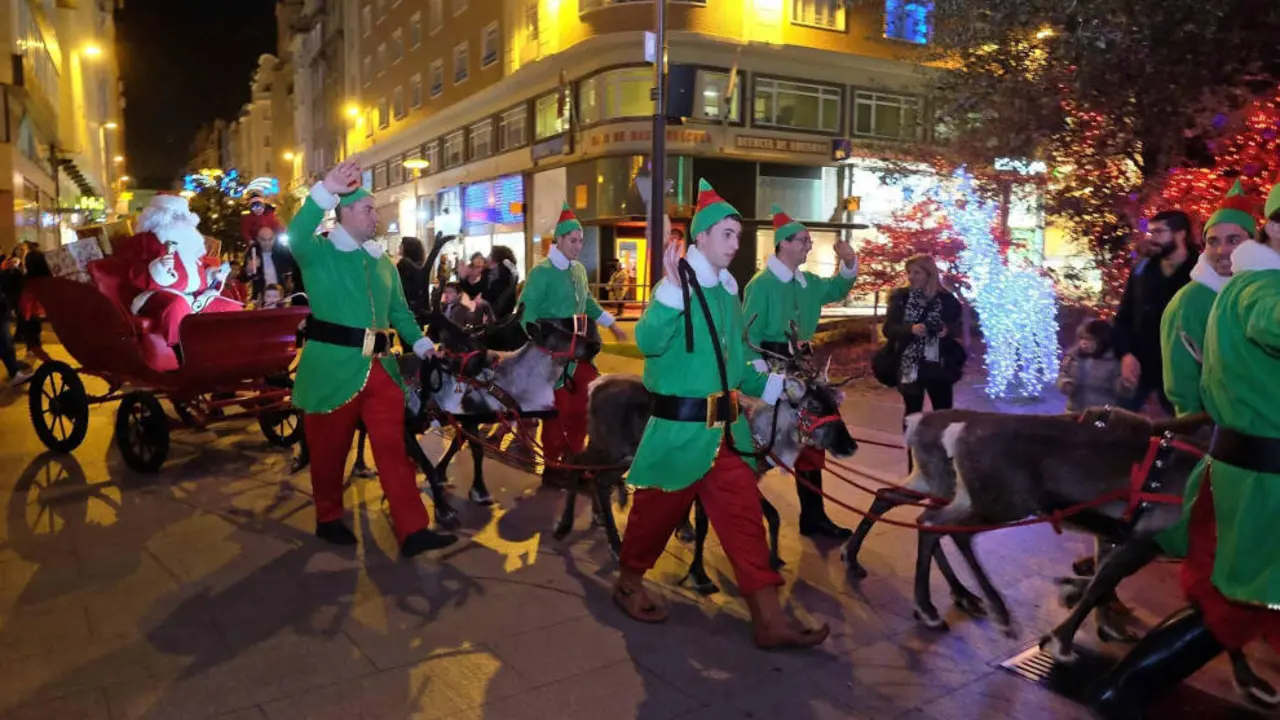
(919, 228)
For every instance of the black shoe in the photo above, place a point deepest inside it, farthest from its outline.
(1169, 654)
(336, 532)
(424, 540)
(824, 528)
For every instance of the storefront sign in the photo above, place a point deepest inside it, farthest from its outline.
(558, 145)
(606, 139)
(493, 203)
(769, 144)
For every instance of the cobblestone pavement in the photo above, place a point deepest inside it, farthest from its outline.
(200, 593)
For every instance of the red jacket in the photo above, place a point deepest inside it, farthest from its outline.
(250, 224)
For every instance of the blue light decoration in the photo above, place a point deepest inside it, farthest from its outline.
(268, 186)
(491, 203)
(1017, 306)
(909, 20)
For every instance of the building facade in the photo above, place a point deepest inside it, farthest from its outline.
(320, 113)
(61, 150)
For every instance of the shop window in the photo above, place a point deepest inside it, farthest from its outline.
(889, 117)
(415, 91)
(437, 78)
(548, 117)
(489, 43)
(713, 101)
(454, 148)
(480, 135)
(397, 103)
(461, 53)
(396, 170)
(435, 16)
(616, 94)
(826, 14)
(511, 128)
(909, 20)
(801, 106)
(415, 30)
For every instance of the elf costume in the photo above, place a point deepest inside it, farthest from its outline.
(1232, 570)
(346, 372)
(777, 297)
(555, 289)
(1182, 330)
(683, 453)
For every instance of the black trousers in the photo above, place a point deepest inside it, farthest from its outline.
(941, 396)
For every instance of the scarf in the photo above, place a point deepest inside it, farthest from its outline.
(926, 311)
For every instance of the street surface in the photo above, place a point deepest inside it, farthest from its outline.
(200, 593)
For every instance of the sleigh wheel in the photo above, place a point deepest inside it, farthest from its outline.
(142, 432)
(282, 428)
(59, 407)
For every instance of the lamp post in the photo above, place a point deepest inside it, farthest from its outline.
(657, 160)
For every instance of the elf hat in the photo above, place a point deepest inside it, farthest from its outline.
(783, 226)
(711, 209)
(1273, 202)
(567, 223)
(1236, 208)
(354, 196)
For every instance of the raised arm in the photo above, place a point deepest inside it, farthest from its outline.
(402, 318)
(323, 198)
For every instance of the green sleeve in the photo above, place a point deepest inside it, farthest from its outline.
(1262, 319)
(836, 288)
(594, 311)
(303, 240)
(531, 296)
(658, 327)
(756, 305)
(401, 317)
(1181, 368)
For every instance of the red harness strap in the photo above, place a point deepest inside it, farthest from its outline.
(1138, 477)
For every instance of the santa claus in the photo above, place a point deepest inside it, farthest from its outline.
(173, 270)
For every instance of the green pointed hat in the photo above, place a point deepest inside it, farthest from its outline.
(783, 226)
(1273, 202)
(354, 196)
(1236, 208)
(711, 209)
(567, 223)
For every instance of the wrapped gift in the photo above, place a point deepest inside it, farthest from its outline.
(72, 260)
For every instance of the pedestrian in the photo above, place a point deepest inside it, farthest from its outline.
(415, 278)
(500, 296)
(1168, 257)
(259, 215)
(1090, 372)
(30, 313)
(473, 278)
(1231, 574)
(346, 372)
(696, 363)
(17, 373)
(778, 298)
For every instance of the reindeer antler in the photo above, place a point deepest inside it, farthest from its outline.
(746, 337)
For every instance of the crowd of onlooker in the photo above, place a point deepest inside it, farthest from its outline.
(19, 306)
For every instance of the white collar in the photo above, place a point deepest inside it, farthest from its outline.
(343, 242)
(707, 275)
(1204, 274)
(558, 259)
(784, 273)
(1253, 255)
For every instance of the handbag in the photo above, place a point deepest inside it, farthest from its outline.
(885, 365)
(952, 356)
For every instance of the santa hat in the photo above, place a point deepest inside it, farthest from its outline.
(783, 226)
(1273, 202)
(1236, 208)
(711, 209)
(166, 209)
(567, 223)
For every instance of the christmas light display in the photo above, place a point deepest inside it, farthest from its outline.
(1017, 307)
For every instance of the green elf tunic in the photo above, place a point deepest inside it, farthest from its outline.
(674, 455)
(776, 297)
(350, 284)
(557, 288)
(1241, 391)
(1182, 330)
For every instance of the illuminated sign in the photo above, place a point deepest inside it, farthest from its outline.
(499, 202)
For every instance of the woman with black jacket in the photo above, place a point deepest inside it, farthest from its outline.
(414, 277)
(921, 324)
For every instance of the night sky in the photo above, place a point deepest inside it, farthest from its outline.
(184, 63)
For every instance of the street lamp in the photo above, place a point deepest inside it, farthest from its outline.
(110, 125)
(352, 113)
(288, 156)
(118, 159)
(93, 51)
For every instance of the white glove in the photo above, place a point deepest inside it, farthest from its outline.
(423, 348)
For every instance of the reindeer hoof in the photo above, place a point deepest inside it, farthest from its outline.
(1111, 630)
(777, 563)
(447, 517)
(1071, 591)
(856, 570)
(562, 531)
(685, 534)
(1055, 648)
(480, 496)
(700, 584)
(970, 605)
(1258, 692)
(931, 620)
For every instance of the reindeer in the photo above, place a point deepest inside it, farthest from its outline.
(618, 409)
(993, 468)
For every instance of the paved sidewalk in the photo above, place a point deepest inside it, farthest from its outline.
(200, 593)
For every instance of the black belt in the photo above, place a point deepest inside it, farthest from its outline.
(714, 410)
(1248, 452)
(372, 343)
(782, 348)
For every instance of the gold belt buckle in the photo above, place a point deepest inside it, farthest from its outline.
(712, 401)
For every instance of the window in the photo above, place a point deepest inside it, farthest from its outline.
(892, 117)
(368, 123)
(712, 99)
(489, 42)
(267, 167)
(480, 135)
(384, 118)
(397, 102)
(588, 5)
(366, 19)
(460, 59)
(909, 20)
(437, 78)
(382, 9)
(616, 94)
(415, 30)
(454, 147)
(435, 16)
(415, 91)
(395, 167)
(796, 105)
(459, 6)
(397, 45)
(382, 58)
(379, 176)
(367, 72)
(266, 141)
(827, 14)
(548, 118)
(431, 151)
(511, 128)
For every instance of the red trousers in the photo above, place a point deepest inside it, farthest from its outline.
(732, 500)
(166, 310)
(1232, 623)
(566, 434)
(381, 406)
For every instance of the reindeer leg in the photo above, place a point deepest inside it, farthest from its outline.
(962, 597)
(886, 500)
(566, 517)
(697, 577)
(361, 468)
(446, 516)
(926, 545)
(774, 521)
(999, 611)
(685, 533)
(604, 506)
(1255, 690)
(1125, 561)
(479, 493)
